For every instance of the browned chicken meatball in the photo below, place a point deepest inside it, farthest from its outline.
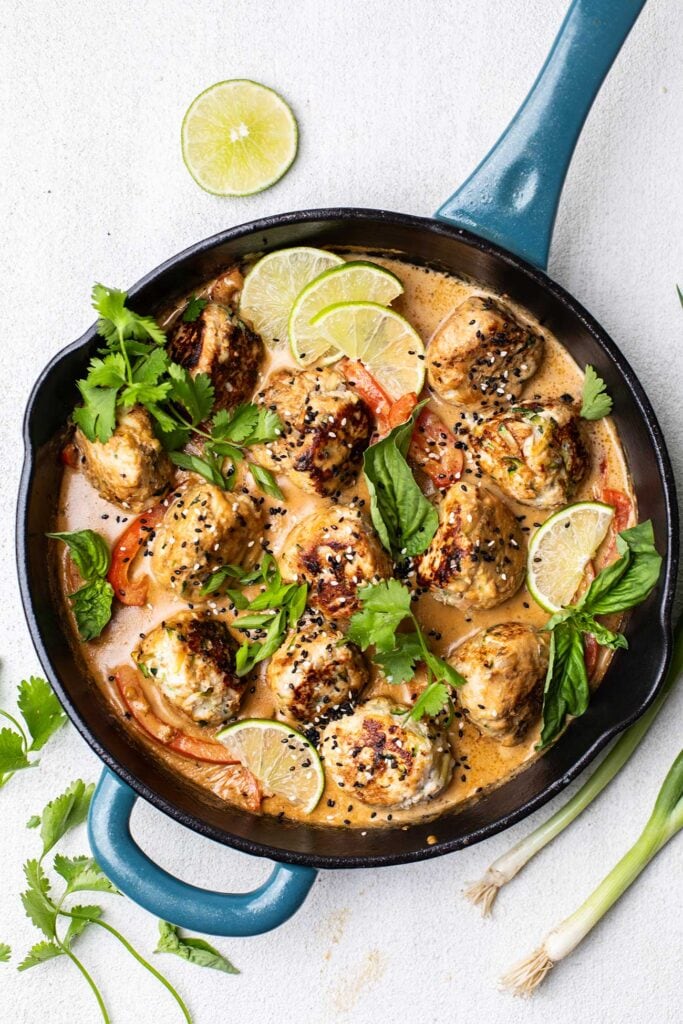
(192, 660)
(335, 552)
(477, 555)
(220, 344)
(505, 668)
(314, 671)
(534, 452)
(481, 354)
(384, 758)
(327, 427)
(131, 469)
(203, 528)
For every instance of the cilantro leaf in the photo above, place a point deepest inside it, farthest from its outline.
(398, 665)
(195, 951)
(237, 427)
(195, 394)
(404, 519)
(82, 874)
(64, 813)
(384, 606)
(89, 551)
(36, 900)
(433, 699)
(84, 916)
(109, 372)
(117, 321)
(92, 608)
(39, 954)
(193, 309)
(596, 402)
(12, 753)
(5, 952)
(264, 479)
(97, 416)
(41, 710)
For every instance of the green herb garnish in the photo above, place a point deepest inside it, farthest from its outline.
(194, 950)
(42, 717)
(404, 519)
(596, 402)
(619, 586)
(193, 309)
(384, 607)
(92, 602)
(5, 952)
(276, 609)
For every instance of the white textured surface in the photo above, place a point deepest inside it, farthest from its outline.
(396, 101)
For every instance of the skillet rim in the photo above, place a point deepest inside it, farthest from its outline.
(667, 584)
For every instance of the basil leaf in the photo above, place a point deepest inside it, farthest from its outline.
(637, 572)
(195, 951)
(89, 551)
(566, 685)
(92, 608)
(404, 519)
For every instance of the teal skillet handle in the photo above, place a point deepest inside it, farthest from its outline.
(165, 896)
(511, 198)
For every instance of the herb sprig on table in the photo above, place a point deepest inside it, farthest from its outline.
(621, 585)
(42, 716)
(385, 607)
(133, 368)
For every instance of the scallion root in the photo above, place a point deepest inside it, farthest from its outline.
(524, 978)
(483, 893)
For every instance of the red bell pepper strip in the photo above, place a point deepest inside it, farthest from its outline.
(69, 455)
(372, 393)
(590, 653)
(135, 536)
(623, 514)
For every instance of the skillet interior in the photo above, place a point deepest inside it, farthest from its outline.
(631, 682)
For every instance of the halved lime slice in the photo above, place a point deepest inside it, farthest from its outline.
(238, 137)
(283, 760)
(381, 338)
(273, 284)
(561, 549)
(356, 280)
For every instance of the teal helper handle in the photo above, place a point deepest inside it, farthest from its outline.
(167, 897)
(512, 197)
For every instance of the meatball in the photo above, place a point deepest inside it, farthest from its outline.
(327, 427)
(476, 558)
(314, 670)
(335, 552)
(131, 469)
(534, 452)
(220, 344)
(203, 528)
(192, 661)
(384, 758)
(505, 668)
(481, 354)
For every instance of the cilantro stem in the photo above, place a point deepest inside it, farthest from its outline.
(140, 959)
(124, 352)
(96, 992)
(12, 719)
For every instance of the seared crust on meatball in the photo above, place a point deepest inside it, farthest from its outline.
(505, 669)
(314, 671)
(481, 354)
(477, 555)
(384, 758)
(131, 469)
(220, 344)
(202, 529)
(534, 452)
(327, 427)
(192, 660)
(335, 552)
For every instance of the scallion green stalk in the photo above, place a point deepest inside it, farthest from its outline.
(664, 822)
(483, 893)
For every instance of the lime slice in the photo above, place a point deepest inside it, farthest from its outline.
(238, 137)
(273, 284)
(382, 339)
(354, 281)
(561, 549)
(283, 760)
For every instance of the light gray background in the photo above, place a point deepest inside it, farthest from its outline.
(396, 101)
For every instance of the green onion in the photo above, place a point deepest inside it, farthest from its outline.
(483, 893)
(664, 822)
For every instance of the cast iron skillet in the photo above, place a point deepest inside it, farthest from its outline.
(509, 204)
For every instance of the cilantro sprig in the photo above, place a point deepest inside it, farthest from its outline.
(384, 608)
(596, 403)
(621, 585)
(134, 369)
(91, 603)
(41, 715)
(275, 610)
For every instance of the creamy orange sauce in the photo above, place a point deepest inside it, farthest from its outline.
(481, 762)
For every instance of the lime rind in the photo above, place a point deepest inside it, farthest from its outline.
(587, 524)
(238, 137)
